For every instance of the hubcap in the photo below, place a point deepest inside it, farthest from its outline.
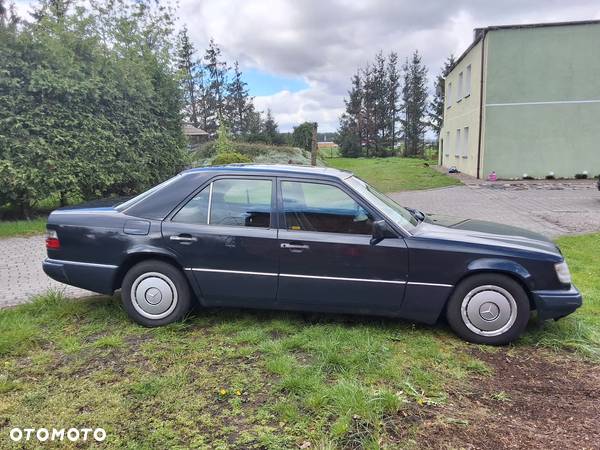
(154, 295)
(489, 310)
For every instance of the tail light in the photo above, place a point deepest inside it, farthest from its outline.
(52, 241)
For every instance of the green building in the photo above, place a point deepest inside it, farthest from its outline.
(525, 100)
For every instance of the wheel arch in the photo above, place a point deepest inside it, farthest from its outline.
(138, 256)
(511, 269)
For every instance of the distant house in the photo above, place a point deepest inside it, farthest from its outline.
(525, 99)
(194, 135)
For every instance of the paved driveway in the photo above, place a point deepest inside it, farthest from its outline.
(550, 208)
(21, 274)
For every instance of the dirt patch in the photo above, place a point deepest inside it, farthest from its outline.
(533, 400)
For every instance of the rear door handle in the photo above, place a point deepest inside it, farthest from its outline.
(294, 246)
(184, 238)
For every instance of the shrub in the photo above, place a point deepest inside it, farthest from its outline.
(581, 176)
(229, 158)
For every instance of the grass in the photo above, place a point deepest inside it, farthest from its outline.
(22, 227)
(395, 174)
(579, 332)
(243, 379)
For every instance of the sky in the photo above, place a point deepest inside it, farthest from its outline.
(298, 55)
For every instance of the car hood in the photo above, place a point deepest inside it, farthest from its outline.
(485, 233)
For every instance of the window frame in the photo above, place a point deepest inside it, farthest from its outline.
(458, 140)
(273, 216)
(346, 189)
(459, 89)
(468, 78)
(465, 142)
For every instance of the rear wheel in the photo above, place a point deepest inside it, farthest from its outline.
(155, 293)
(488, 309)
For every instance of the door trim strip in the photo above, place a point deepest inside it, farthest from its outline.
(418, 283)
(317, 277)
(239, 272)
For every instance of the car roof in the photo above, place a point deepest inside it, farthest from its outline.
(274, 169)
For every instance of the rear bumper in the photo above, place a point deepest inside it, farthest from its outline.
(557, 304)
(90, 276)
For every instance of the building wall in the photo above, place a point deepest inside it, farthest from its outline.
(461, 111)
(542, 101)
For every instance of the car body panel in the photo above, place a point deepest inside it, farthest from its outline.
(409, 275)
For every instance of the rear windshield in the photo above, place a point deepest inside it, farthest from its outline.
(129, 203)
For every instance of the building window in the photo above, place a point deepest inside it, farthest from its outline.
(468, 81)
(457, 147)
(459, 93)
(447, 143)
(465, 146)
(449, 96)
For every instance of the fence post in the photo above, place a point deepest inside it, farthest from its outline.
(314, 148)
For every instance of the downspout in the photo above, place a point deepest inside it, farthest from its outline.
(480, 105)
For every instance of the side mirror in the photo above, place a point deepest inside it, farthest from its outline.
(380, 232)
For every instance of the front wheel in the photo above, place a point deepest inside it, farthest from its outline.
(155, 293)
(488, 309)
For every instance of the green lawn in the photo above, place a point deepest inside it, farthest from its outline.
(22, 227)
(243, 379)
(395, 174)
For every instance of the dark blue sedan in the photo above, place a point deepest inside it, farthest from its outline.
(311, 239)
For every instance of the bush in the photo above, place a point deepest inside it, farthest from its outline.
(257, 153)
(229, 158)
(581, 176)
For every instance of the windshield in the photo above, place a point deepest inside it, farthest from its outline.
(401, 216)
(143, 195)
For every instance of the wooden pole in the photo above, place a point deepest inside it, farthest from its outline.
(314, 147)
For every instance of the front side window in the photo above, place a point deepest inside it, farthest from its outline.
(324, 208)
(230, 202)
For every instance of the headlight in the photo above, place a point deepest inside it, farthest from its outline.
(562, 272)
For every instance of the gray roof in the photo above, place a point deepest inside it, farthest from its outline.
(191, 130)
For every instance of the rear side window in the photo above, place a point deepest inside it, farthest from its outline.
(230, 202)
(324, 208)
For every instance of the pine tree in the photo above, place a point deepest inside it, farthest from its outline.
(239, 103)
(393, 88)
(270, 129)
(217, 70)
(414, 106)
(189, 76)
(436, 108)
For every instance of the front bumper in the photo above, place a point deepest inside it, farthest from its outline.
(557, 304)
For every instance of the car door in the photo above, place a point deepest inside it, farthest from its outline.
(326, 259)
(226, 237)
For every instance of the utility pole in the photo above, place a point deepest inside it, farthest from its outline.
(314, 148)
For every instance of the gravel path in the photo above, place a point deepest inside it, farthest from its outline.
(554, 209)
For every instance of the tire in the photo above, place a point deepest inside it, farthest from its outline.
(488, 308)
(155, 293)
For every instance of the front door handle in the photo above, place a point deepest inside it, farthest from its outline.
(295, 246)
(184, 238)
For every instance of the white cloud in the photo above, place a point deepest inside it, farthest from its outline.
(326, 41)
